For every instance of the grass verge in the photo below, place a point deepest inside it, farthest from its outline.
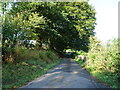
(109, 78)
(20, 72)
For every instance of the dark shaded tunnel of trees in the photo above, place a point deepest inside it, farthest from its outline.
(54, 25)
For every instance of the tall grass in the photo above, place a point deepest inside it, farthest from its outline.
(27, 65)
(104, 61)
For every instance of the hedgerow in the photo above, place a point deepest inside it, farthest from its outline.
(103, 61)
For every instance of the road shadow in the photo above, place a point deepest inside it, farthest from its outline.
(68, 74)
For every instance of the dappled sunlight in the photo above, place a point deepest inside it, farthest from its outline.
(75, 72)
(47, 76)
(77, 77)
(58, 77)
(38, 36)
(64, 80)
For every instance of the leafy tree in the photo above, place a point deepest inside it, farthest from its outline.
(61, 25)
(74, 23)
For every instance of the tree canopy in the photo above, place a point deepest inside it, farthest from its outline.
(60, 25)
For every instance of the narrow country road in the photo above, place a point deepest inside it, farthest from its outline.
(68, 74)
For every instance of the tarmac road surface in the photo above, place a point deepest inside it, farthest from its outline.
(68, 74)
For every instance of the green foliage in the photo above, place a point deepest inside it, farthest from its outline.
(16, 31)
(55, 24)
(79, 61)
(47, 56)
(81, 52)
(58, 25)
(103, 61)
(22, 53)
(81, 57)
(24, 70)
(104, 57)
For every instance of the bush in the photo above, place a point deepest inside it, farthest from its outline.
(81, 52)
(29, 64)
(21, 53)
(104, 57)
(103, 61)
